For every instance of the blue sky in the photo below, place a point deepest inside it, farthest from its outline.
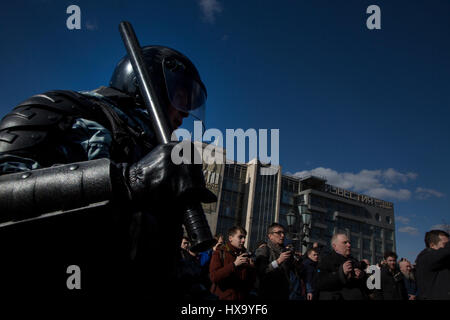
(369, 109)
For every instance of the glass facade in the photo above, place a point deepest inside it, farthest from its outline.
(378, 247)
(289, 189)
(334, 205)
(232, 208)
(355, 241)
(388, 235)
(367, 244)
(264, 207)
(362, 234)
(389, 246)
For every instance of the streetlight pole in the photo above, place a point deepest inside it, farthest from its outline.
(306, 219)
(290, 219)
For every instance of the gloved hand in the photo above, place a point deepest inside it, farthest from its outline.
(156, 177)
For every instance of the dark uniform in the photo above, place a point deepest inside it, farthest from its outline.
(84, 183)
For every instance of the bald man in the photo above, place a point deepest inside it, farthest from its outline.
(339, 275)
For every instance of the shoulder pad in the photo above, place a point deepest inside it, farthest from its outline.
(28, 123)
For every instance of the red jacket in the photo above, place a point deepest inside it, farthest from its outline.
(230, 282)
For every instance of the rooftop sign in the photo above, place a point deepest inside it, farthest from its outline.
(358, 197)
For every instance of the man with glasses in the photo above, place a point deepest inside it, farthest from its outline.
(274, 264)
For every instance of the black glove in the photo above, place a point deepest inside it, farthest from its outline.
(155, 177)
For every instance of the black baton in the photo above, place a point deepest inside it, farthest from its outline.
(194, 218)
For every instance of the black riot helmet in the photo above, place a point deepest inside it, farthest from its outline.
(174, 77)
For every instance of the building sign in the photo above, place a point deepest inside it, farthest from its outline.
(358, 197)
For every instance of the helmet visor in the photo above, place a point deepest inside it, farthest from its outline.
(185, 93)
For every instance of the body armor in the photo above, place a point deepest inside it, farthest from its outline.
(67, 212)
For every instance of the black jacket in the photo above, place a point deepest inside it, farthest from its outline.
(433, 274)
(392, 285)
(310, 275)
(274, 283)
(332, 283)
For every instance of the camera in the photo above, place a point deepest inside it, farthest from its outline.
(398, 277)
(250, 255)
(294, 255)
(361, 265)
(288, 249)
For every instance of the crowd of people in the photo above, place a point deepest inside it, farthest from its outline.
(276, 271)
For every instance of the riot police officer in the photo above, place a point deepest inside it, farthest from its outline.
(84, 183)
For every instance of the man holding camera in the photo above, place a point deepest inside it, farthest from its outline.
(340, 276)
(232, 270)
(275, 263)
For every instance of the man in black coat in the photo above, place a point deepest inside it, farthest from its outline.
(433, 267)
(392, 284)
(274, 265)
(339, 275)
(310, 273)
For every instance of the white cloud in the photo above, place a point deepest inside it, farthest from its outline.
(371, 182)
(423, 193)
(390, 175)
(209, 9)
(401, 219)
(383, 193)
(409, 230)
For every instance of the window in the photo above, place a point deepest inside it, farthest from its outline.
(321, 217)
(367, 245)
(355, 241)
(366, 230)
(378, 247)
(316, 233)
(377, 232)
(330, 227)
(355, 254)
(355, 226)
(368, 257)
(388, 220)
(377, 217)
(388, 235)
(389, 247)
(283, 219)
